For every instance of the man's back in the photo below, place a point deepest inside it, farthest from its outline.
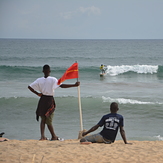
(45, 85)
(111, 123)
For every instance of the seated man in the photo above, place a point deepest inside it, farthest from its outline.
(111, 122)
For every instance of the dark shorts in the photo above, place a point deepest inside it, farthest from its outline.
(46, 106)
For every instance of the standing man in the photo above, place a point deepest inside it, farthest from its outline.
(103, 68)
(46, 105)
(111, 122)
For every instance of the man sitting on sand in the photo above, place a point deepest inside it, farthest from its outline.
(111, 122)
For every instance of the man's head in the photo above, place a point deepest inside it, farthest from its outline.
(46, 70)
(114, 107)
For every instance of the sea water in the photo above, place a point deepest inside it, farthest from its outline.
(134, 79)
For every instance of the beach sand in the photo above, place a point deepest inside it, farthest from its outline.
(71, 151)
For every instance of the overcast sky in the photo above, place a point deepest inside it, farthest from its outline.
(81, 19)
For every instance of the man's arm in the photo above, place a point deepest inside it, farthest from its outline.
(123, 135)
(35, 92)
(70, 85)
(91, 130)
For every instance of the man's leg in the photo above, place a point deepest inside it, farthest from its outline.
(53, 135)
(50, 126)
(95, 138)
(42, 129)
(84, 141)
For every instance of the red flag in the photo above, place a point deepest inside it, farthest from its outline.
(71, 73)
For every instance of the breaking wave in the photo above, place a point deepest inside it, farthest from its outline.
(127, 101)
(140, 69)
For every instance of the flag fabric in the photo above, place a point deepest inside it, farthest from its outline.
(71, 73)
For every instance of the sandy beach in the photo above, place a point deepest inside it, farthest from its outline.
(71, 151)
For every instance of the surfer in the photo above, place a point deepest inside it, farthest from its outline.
(111, 122)
(46, 105)
(103, 68)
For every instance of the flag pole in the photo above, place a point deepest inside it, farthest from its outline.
(80, 109)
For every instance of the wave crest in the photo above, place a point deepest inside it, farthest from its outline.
(126, 101)
(140, 69)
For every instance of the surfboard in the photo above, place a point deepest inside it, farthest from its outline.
(102, 74)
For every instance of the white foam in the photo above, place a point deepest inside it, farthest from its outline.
(140, 69)
(159, 137)
(126, 101)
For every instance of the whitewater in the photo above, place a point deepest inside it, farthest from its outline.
(140, 69)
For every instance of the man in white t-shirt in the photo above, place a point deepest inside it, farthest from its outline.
(46, 105)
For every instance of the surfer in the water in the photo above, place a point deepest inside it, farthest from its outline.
(103, 68)
(46, 106)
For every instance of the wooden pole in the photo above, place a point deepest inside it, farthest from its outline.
(80, 109)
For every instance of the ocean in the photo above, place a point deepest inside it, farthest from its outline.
(134, 80)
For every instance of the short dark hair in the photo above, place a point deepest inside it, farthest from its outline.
(114, 107)
(46, 67)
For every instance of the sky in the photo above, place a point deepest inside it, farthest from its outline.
(81, 19)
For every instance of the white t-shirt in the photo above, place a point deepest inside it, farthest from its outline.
(45, 85)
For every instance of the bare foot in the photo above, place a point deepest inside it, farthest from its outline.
(43, 139)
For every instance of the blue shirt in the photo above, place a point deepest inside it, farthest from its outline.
(111, 123)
